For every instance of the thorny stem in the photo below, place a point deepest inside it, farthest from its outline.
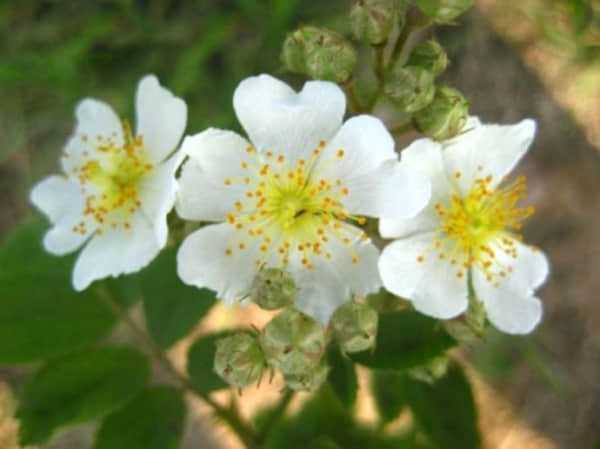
(229, 414)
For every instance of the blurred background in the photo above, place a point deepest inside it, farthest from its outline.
(531, 58)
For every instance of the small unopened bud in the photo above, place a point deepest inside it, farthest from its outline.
(293, 53)
(372, 20)
(319, 53)
(293, 342)
(273, 289)
(435, 369)
(355, 326)
(445, 117)
(411, 88)
(239, 359)
(431, 56)
(309, 380)
(444, 11)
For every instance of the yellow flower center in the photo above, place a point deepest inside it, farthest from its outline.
(287, 208)
(110, 179)
(476, 227)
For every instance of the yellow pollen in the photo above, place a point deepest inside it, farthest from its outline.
(293, 209)
(483, 222)
(110, 181)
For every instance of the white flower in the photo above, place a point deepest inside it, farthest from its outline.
(470, 231)
(288, 199)
(118, 187)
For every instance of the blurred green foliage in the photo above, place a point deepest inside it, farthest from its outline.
(573, 25)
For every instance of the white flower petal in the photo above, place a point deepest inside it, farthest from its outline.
(388, 191)
(362, 156)
(431, 284)
(157, 196)
(424, 157)
(214, 156)
(62, 202)
(277, 118)
(116, 252)
(365, 143)
(161, 118)
(487, 150)
(509, 300)
(95, 120)
(202, 261)
(319, 293)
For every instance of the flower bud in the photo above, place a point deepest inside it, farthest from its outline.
(355, 326)
(372, 20)
(309, 380)
(319, 53)
(411, 88)
(293, 342)
(273, 289)
(444, 11)
(293, 54)
(431, 56)
(445, 117)
(239, 360)
(433, 370)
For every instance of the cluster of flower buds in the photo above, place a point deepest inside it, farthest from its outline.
(444, 11)
(292, 342)
(432, 371)
(319, 53)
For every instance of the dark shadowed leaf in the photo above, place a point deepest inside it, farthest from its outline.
(78, 388)
(405, 339)
(389, 392)
(201, 359)
(342, 376)
(445, 411)
(172, 308)
(40, 313)
(154, 419)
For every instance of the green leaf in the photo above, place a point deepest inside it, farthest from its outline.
(389, 392)
(172, 308)
(445, 411)
(40, 313)
(78, 388)
(200, 364)
(405, 339)
(342, 376)
(154, 419)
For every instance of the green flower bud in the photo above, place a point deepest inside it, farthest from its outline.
(293, 53)
(239, 360)
(319, 53)
(431, 56)
(355, 326)
(372, 20)
(445, 117)
(309, 380)
(411, 88)
(435, 369)
(273, 289)
(293, 342)
(444, 11)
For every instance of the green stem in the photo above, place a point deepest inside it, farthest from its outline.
(229, 415)
(276, 414)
